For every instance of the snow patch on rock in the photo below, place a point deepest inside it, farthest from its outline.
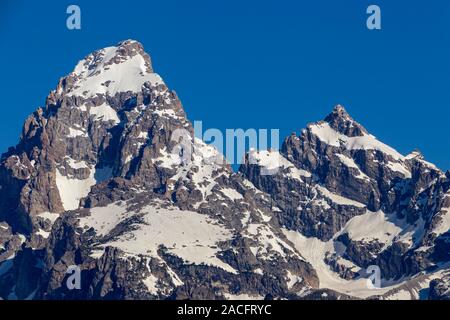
(71, 191)
(325, 133)
(186, 234)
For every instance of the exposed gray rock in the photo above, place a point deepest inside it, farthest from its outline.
(440, 289)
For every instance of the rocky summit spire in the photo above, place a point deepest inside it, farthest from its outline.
(342, 122)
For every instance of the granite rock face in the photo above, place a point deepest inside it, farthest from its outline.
(109, 183)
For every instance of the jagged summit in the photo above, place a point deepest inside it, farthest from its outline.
(340, 130)
(416, 154)
(117, 54)
(342, 122)
(111, 70)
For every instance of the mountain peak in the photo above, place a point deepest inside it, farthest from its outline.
(339, 108)
(120, 68)
(124, 51)
(129, 42)
(129, 48)
(416, 154)
(342, 122)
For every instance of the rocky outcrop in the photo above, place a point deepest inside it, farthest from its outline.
(440, 289)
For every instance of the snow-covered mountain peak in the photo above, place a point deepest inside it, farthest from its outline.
(120, 53)
(340, 130)
(111, 70)
(416, 154)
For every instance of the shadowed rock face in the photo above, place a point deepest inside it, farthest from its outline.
(98, 181)
(342, 122)
(439, 289)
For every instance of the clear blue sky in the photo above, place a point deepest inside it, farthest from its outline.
(252, 64)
